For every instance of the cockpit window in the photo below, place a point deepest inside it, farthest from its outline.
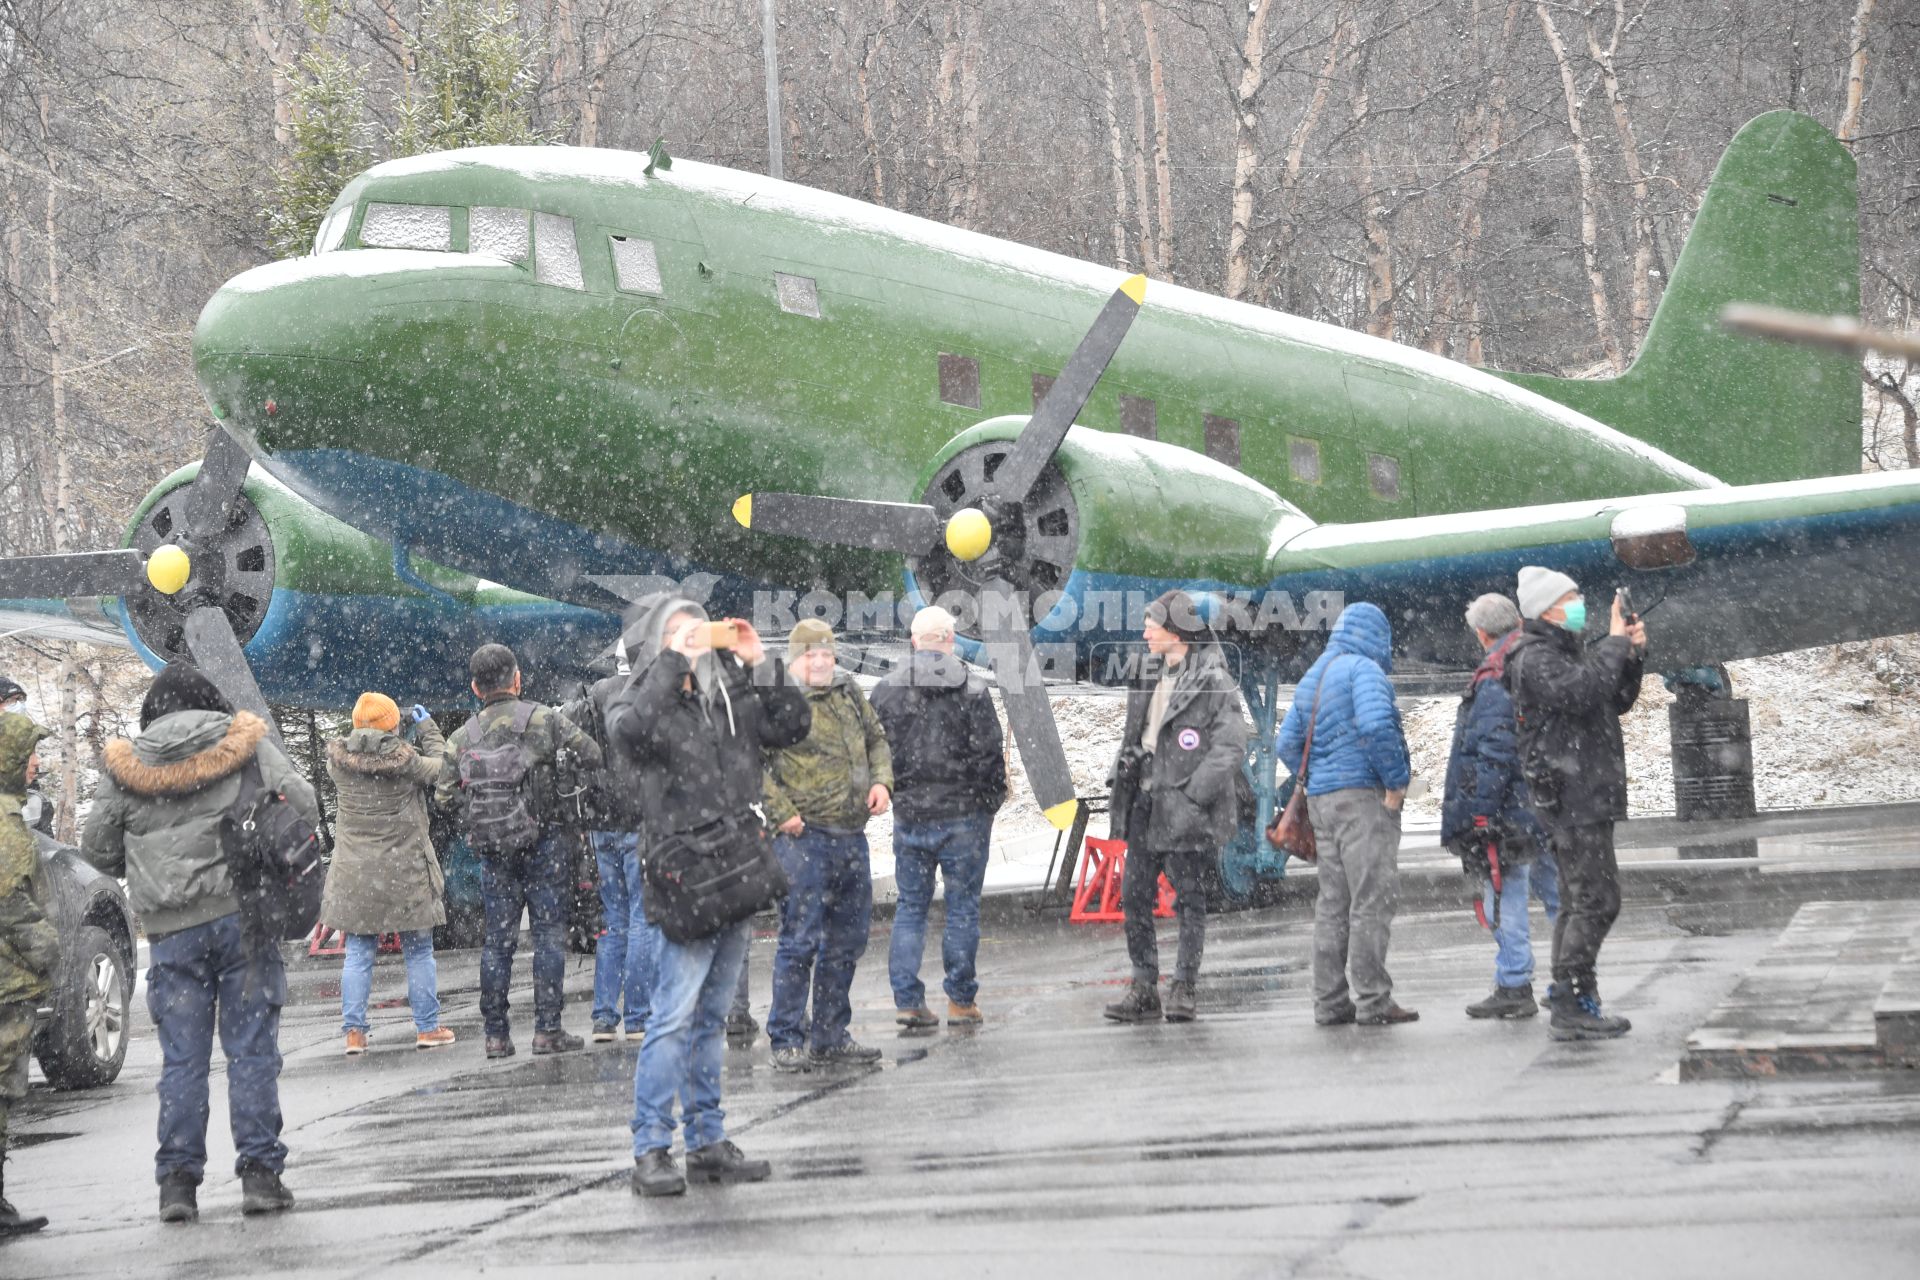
(556, 255)
(333, 230)
(407, 226)
(500, 232)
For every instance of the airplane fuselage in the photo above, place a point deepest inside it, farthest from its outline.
(582, 366)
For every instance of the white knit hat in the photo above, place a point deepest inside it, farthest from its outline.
(1541, 589)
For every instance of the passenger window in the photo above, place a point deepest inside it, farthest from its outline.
(960, 380)
(1383, 474)
(1138, 418)
(798, 295)
(1303, 460)
(556, 257)
(407, 226)
(1223, 440)
(1042, 383)
(333, 230)
(635, 265)
(500, 232)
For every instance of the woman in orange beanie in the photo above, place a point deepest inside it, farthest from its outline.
(385, 876)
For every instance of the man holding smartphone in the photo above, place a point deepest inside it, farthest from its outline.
(1568, 700)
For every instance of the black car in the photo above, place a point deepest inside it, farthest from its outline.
(80, 1035)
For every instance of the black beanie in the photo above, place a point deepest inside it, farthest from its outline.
(1178, 613)
(181, 687)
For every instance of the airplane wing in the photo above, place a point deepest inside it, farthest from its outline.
(1718, 574)
(80, 620)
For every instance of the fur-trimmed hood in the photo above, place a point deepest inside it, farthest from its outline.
(375, 752)
(185, 752)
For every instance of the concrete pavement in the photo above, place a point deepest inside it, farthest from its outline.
(1249, 1144)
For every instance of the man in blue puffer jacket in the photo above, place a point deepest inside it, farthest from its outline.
(1356, 781)
(1487, 816)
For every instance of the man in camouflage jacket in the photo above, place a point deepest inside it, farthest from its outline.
(29, 947)
(819, 794)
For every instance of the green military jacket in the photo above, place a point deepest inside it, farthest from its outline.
(29, 946)
(825, 777)
(558, 746)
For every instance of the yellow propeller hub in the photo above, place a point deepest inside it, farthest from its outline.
(969, 533)
(168, 569)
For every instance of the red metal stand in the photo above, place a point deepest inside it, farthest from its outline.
(328, 941)
(1103, 870)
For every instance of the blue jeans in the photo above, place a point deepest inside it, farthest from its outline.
(534, 882)
(823, 931)
(685, 1043)
(200, 978)
(958, 848)
(356, 980)
(1513, 962)
(623, 961)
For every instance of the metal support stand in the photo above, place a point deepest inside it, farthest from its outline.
(1712, 744)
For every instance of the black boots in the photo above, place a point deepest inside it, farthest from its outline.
(1141, 1004)
(179, 1198)
(723, 1162)
(545, 1042)
(261, 1191)
(1578, 1016)
(654, 1174)
(1180, 1005)
(12, 1221)
(1506, 1002)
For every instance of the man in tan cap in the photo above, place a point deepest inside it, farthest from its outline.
(819, 794)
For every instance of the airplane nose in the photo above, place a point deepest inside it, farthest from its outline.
(271, 345)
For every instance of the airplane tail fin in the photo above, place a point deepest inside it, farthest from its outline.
(1778, 227)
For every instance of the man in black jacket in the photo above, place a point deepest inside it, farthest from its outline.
(1568, 702)
(690, 735)
(950, 777)
(1175, 798)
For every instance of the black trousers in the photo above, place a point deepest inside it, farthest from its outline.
(1186, 870)
(1589, 903)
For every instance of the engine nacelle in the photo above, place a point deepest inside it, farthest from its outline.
(325, 613)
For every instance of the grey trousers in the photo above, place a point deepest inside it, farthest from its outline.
(1359, 840)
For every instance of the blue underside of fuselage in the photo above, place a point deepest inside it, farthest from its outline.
(1822, 578)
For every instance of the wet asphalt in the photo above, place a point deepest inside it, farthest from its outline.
(1048, 1142)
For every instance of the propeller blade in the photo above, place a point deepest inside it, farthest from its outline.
(906, 527)
(1005, 632)
(217, 652)
(1047, 427)
(223, 470)
(83, 573)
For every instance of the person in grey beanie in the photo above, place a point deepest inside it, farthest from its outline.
(1486, 816)
(1568, 700)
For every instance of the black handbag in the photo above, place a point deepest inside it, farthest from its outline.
(700, 881)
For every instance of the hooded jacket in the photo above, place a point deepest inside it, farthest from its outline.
(29, 945)
(695, 757)
(1483, 768)
(949, 756)
(825, 777)
(1568, 701)
(1194, 772)
(385, 876)
(1357, 738)
(156, 817)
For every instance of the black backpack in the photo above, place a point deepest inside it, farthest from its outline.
(273, 859)
(496, 790)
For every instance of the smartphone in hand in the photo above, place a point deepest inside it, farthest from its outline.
(1625, 598)
(722, 635)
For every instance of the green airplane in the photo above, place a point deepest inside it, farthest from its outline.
(513, 387)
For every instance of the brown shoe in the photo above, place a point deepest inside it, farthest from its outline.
(433, 1039)
(964, 1015)
(1394, 1016)
(356, 1043)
